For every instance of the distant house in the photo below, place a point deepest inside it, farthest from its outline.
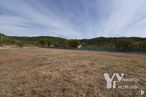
(79, 46)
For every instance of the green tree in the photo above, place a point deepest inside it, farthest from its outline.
(42, 42)
(49, 42)
(142, 44)
(123, 44)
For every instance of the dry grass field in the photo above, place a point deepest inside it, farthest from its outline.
(42, 72)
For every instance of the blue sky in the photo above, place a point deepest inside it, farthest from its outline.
(73, 18)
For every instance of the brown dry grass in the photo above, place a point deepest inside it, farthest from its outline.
(40, 72)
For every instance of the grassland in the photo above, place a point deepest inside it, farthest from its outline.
(42, 72)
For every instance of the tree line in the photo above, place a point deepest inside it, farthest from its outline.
(59, 43)
(119, 44)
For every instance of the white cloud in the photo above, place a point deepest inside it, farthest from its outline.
(74, 18)
(123, 14)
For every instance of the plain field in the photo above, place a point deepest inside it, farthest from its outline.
(42, 72)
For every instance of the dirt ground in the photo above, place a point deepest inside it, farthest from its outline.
(42, 72)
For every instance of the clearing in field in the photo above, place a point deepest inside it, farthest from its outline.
(41, 72)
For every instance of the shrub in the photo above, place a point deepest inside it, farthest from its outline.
(20, 44)
(143, 44)
(1, 43)
(123, 44)
(42, 42)
(49, 42)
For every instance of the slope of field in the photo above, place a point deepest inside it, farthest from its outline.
(41, 72)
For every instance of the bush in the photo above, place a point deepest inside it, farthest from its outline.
(143, 44)
(123, 44)
(20, 44)
(42, 42)
(49, 43)
(45, 42)
(1, 44)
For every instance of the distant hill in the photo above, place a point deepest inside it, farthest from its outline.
(2, 34)
(99, 43)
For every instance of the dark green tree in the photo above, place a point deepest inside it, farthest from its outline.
(123, 44)
(42, 42)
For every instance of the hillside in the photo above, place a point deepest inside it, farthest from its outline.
(99, 43)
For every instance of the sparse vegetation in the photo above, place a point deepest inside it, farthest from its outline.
(42, 42)
(19, 44)
(42, 72)
(107, 44)
(123, 44)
